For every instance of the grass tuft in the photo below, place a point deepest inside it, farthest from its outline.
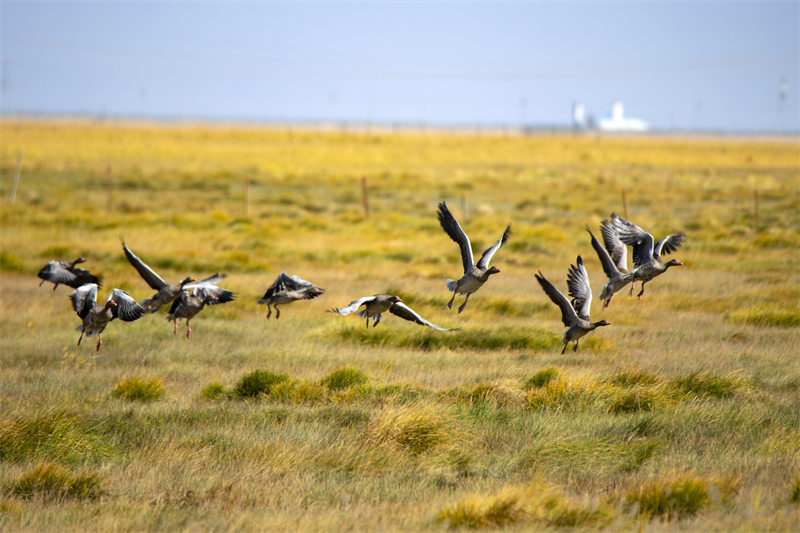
(258, 382)
(54, 482)
(54, 436)
(213, 391)
(794, 496)
(345, 378)
(542, 378)
(413, 428)
(705, 384)
(766, 316)
(500, 393)
(670, 499)
(136, 389)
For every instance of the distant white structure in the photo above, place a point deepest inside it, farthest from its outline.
(580, 120)
(618, 122)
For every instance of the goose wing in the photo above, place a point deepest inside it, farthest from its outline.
(82, 277)
(633, 235)
(147, 273)
(579, 289)
(83, 299)
(451, 227)
(487, 255)
(669, 244)
(55, 272)
(608, 265)
(127, 308)
(568, 316)
(616, 248)
(355, 304)
(403, 311)
(220, 295)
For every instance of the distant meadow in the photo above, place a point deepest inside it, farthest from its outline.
(683, 414)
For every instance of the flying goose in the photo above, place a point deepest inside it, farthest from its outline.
(380, 303)
(646, 256)
(614, 258)
(66, 273)
(96, 317)
(287, 289)
(194, 297)
(474, 275)
(166, 292)
(574, 315)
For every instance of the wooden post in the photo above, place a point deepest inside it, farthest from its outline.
(108, 187)
(17, 171)
(755, 210)
(246, 197)
(625, 203)
(365, 197)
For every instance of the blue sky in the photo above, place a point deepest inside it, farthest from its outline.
(678, 65)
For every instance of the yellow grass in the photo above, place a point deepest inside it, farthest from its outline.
(399, 427)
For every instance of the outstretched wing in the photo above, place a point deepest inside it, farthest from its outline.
(669, 244)
(633, 235)
(82, 277)
(403, 311)
(127, 308)
(221, 296)
(451, 227)
(53, 271)
(147, 273)
(487, 255)
(616, 248)
(83, 299)
(608, 265)
(352, 306)
(568, 316)
(579, 289)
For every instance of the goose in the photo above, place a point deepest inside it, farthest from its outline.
(646, 256)
(613, 258)
(66, 273)
(166, 292)
(96, 317)
(287, 289)
(380, 303)
(194, 297)
(475, 275)
(575, 315)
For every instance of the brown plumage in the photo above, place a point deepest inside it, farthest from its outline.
(95, 317)
(380, 303)
(193, 298)
(287, 289)
(66, 273)
(166, 292)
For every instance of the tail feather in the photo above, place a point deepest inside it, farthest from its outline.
(451, 285)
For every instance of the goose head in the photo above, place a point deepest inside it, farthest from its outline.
(672, 263)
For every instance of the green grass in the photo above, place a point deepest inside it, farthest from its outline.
(680, 416)
(134, 389)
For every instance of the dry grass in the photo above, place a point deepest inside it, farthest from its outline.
(386, 429)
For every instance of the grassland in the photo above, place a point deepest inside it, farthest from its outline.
(683, 415)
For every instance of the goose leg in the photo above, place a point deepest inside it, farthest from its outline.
(630, 293)
(376, 321)
(641, 293)
(40, 283)
(367, 321)
(450, 303)
(606, 302)
(175, 330)
(188, 329)
(565, 347)
(54, 286)
(575, 349)
(81, 337)
(99, 342)
(278, 311)
(269, 311)
(464, 304)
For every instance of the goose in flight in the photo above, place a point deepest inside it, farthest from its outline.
(574, 315)
(475, 275)
(66, 273)
(96, 317)
(166, 292)
(194, 297)
(613, 258)
(646, 255)
(287, 289)
(380, 303)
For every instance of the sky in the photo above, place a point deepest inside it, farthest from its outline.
(710, 66)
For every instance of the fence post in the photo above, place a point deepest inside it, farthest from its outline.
(17, 171)
(365, 197)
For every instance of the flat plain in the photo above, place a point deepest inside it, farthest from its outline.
(684, 414)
